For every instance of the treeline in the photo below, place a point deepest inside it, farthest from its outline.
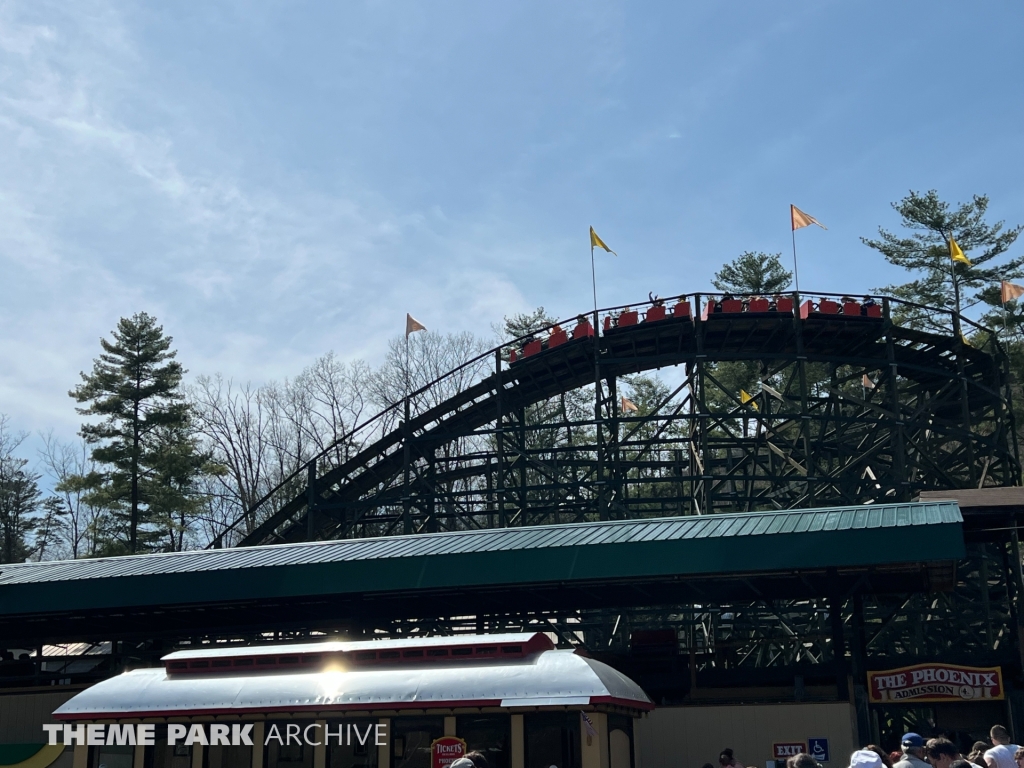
(164, 466)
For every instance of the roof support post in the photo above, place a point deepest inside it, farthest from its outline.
(858, 657)
(835, 614)
(1018, 588)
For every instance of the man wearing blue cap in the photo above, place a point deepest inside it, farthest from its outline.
(913, 752)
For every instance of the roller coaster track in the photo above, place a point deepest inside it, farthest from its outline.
(846, 408)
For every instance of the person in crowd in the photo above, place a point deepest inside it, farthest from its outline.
(462, 762)
(941, 753)
(1002, 751)
(707, 765)
(977, 753)
(1018, 758)
(727, 760)
(886, 760)
(866, 758)
(895, 756)
(913, 752)
(479, 759)
(866, 302)
(803, 760)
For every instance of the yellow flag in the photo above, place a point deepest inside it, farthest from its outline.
(956, 253)
(746, 397)
(1010, 291)
(799, 219)
(629, 405)
(597, 242)
(412, 325)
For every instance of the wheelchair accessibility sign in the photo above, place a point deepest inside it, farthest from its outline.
(818, 749)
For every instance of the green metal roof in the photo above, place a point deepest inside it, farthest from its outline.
(720, 544)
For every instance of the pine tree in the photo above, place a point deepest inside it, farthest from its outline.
(925, 251)
(19, 497)
(134, 389)
(753, 273)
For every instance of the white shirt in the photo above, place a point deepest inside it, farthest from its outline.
(1002, 755)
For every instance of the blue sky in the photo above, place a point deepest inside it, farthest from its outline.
(275, 180)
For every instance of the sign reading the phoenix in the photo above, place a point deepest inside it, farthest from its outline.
(936, 682)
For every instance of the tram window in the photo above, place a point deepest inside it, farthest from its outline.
(281, 754)
(165, 755)
(552, 739)
(411, 738)
(227, 757)
(489, 734)
(111, 757)
(462, 651)
(352, 753)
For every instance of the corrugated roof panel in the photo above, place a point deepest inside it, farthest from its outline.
(663, 531)
(589, 537)
(613, 534)
(732, 527)
(860, 519)
(874, 517)
(574, 537)
(696, 529)
(763, 521)
(790, 523)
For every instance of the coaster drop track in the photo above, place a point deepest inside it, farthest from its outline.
(848, 407)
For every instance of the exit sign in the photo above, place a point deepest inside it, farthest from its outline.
(784, 749)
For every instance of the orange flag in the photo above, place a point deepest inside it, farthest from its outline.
(412, 325)
(801, 219)
(1010, 291)
(629, 405)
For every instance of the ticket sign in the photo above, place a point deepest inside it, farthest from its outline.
(784, 749)
(446, 750)
(936, 682)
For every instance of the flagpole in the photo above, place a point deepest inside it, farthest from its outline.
(956, 288)
(593, 279)
(796, 273)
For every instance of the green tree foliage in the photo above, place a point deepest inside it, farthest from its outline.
(142, 440)
(754, 273)
(750, 273)
(19, 497)
(924, 251)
